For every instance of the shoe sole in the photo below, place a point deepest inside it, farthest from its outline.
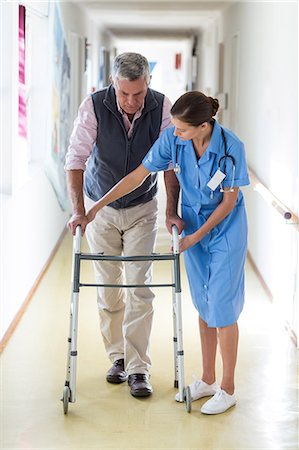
(141, 394)
(116, 380)
(218, 412)
(206, 394)
(197, 398)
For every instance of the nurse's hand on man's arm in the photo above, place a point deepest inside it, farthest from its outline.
(172, 196)
(91, 214)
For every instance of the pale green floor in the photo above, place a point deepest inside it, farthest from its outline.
(106, 416)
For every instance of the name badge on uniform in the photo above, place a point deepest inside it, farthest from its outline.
(216, 179)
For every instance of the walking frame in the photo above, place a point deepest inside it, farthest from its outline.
(69, 390)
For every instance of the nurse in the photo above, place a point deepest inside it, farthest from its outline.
(210, 166)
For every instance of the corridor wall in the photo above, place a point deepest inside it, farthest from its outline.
(32, 219)
(261, 81)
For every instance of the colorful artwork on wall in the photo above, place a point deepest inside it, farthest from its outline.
(61, 65)
(22, 85)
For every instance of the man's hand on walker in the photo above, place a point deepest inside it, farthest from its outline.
(75, 221)
(174, 220)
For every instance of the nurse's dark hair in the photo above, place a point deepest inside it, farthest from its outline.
(195, 108)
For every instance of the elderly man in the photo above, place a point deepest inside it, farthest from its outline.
(114, 130)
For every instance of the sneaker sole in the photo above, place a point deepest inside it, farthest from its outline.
(198, 398)
(218, 412)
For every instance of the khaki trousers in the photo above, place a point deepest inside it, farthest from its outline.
(125, 314)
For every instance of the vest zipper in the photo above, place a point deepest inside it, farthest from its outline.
(128, 146)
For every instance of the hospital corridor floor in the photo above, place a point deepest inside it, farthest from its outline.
(106, 416)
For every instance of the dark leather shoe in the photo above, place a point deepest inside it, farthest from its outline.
(140, 385)
(117, 373)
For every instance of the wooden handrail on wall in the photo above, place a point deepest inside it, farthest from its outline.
(270, 198)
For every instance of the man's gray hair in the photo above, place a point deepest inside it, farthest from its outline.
(130, 66)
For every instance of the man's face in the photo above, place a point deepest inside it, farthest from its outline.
(130, 94)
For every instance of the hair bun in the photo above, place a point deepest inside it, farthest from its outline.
(215, 105)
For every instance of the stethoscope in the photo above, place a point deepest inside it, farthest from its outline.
(223, 159)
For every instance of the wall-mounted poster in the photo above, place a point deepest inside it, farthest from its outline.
(60, 110)
(104, 67)
(22, 65)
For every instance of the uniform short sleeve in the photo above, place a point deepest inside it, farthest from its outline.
(237, 151)
(159, 156)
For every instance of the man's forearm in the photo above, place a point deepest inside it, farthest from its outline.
(173, 191)
(75, 189)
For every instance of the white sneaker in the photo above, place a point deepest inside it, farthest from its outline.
(220, 403)
(199, 389)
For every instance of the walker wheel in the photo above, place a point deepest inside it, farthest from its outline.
(65, 399)
(187, 399)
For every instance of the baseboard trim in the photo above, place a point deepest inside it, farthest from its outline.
(260, 277)
(28, 298)
(291, 333)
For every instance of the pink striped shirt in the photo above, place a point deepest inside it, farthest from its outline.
(85, 131)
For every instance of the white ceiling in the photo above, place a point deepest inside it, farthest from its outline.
(138, 17)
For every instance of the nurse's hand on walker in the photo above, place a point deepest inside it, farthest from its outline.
(223, 209)
(187, 242)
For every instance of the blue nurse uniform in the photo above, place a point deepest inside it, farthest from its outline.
(215, 265)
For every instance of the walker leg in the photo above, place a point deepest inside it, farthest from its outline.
(187, 399)
(175, 336)
(184, 393)
(65, 399)
(69, 390)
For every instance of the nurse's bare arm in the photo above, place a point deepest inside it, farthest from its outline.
(223, 209)
(128, 184)
(75, 188)
(172, 187)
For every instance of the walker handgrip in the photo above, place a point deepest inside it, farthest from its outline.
(77, 239)
(175, 239)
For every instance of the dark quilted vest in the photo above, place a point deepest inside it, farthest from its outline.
(114, 155)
